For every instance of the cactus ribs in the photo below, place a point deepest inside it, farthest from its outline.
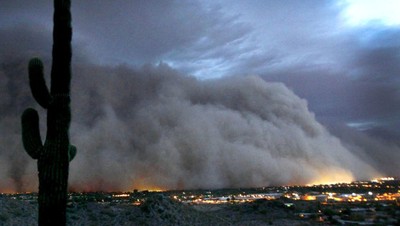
(54, 155)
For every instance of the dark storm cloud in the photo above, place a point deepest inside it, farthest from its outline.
(378, 56)
(13, 13)
(154, 127)
(376, 151)
(366, 86)
(23, 41)
(139, 32)
(348, 75)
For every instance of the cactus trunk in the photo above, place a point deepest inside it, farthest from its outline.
(53, 157)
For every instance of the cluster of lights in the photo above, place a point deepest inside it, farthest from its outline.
(383, 179)
(312, 196)
(209, 198)
(123, 195)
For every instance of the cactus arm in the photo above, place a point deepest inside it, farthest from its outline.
(54, 156)
(71, 152)
(30, 133)
(37, 83)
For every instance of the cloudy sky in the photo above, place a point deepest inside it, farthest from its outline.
(342, 57)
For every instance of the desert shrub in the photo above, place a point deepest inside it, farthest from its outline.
(3, 217)
(74, 217)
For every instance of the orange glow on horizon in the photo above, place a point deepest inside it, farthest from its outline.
(140, 186)
(326, 177)
(7, 191)
(333, 176)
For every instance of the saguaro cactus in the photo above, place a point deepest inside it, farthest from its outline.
(54, 156)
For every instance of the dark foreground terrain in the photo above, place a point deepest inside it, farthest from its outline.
(375, 202)
(157, 210)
